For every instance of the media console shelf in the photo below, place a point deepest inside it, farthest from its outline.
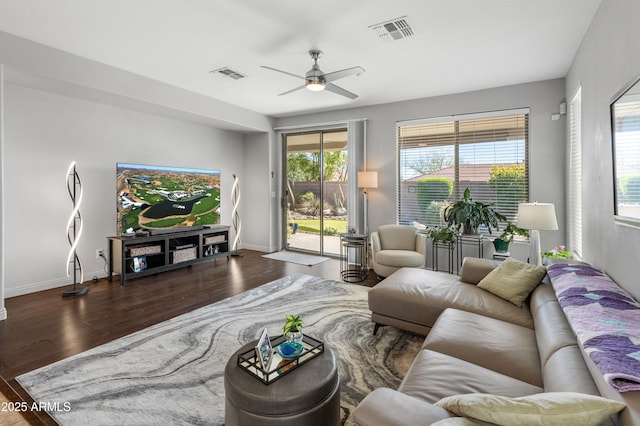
(133, 257)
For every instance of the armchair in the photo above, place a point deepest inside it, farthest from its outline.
(397, 246)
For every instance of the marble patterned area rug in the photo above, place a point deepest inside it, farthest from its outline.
(293, 257)
(172, 372)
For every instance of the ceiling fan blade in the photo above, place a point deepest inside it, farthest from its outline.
(292, 90)
(340, 91)
(333, 76)
(283, 72)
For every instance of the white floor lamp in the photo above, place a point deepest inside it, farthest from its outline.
(536, 217)
(367, 180)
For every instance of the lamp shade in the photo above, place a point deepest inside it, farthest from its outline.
(367, 179)
(539, 216)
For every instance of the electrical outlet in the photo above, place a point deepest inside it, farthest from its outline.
(99, 253)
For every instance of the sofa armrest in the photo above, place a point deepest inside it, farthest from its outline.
(474, 269)
(421, 243)
(386, 406)
(375, 243)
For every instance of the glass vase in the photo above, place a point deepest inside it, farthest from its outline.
(294, 336)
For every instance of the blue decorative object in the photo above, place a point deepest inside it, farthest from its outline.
(290, 349)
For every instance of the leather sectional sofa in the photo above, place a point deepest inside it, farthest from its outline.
(478, 343)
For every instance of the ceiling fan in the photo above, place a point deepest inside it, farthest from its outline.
(316, 80)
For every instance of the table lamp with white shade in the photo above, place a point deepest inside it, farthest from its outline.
(536, 217)
(367, 179)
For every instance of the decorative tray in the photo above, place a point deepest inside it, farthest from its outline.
(283, 361)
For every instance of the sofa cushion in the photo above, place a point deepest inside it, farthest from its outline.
(418, 296)
(434, 375)
(494, 344)
(400, 258)
(551, 408)
(513, 280)
(388, 407)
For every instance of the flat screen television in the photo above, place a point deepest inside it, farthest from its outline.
(161, 198)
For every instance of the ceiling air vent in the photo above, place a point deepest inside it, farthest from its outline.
(394, 29)
(228, 72)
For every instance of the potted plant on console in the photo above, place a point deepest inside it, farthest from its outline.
(443, 234)
(501, 244)
(468, 215)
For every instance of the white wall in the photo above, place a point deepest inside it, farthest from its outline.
(44, 132)
(607, 61)
(546, 150)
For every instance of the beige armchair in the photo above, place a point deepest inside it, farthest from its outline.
(397, 246)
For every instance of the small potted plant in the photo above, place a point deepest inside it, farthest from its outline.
(469, 215)
(501, 243)
(558, 252)
(293, 329)
(443, 234)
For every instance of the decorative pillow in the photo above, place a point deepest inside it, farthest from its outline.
(549, 408)
(513, 280)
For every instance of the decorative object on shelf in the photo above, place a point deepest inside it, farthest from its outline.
(74, 232)
(235, 216)
(293, 329)
(468, 215)
(536, 217)
(558, 252)
(366, 180)
(501, 244)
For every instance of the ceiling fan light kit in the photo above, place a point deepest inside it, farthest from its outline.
(316, 80)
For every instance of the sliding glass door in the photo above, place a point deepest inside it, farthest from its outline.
(316, 190)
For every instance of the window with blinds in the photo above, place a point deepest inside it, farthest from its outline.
(575, 175)
(625, 128)
(439, 158)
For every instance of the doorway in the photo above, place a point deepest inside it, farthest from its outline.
(316, 200)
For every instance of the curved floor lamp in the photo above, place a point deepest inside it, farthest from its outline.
(74, 231)
(235, 217)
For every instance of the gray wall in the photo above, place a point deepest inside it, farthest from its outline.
(61, 107)
(44, 132)
(607, 61)
(546, 150)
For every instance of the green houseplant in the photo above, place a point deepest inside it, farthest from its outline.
(469, 215)
(443, 234)
(501, 243)
(292, 328)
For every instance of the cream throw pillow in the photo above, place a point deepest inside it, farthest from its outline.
(513, 280)
(549, 408)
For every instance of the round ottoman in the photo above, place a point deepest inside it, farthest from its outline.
(309, 395)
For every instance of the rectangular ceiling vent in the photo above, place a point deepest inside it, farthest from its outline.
(228, 72)
(394, 29)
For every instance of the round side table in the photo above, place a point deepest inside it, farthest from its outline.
(353, 257)
(308, 396)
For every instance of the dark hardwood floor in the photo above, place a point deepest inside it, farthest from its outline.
(44, 327)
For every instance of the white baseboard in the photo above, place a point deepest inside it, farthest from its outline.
(256, 248)
(47, 285)
(3, 314)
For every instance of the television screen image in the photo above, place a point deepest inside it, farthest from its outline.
(159, 197)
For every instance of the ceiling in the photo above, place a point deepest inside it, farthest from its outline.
(457, 46)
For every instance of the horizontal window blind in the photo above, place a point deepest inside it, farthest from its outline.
(439, 160)
(575, 175)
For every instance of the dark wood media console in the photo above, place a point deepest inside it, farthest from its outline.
(133, 257)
